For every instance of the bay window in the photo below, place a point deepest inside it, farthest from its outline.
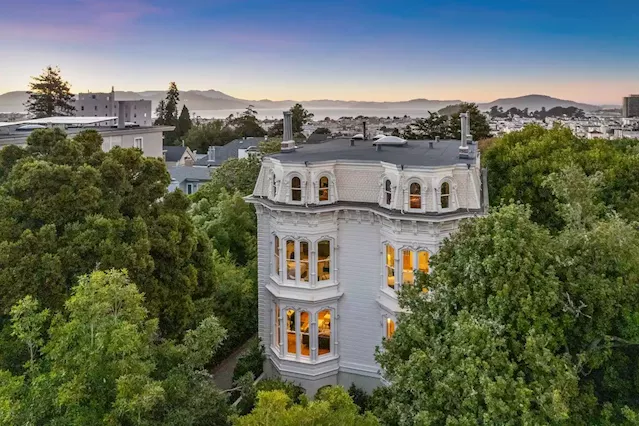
(304, 261)
(308, 332)
(413, 260)
(276, 255)
(324, 260)
(277, 326)
(291, 259)
(291, 332)
(390, 328)
(390, 260)
(324, 332)
(305, 345)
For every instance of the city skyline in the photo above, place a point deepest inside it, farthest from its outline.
(366, 51)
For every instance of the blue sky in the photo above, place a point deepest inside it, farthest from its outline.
(365, 50)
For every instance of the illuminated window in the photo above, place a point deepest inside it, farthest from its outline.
(391, 328)
(304, 333)
(415, 199)
(390, 259)
(423, 261)
(291, 259)
(324, 332)
(323, 191)
(324, 260)
(444, 195)
(276, 255)
(291, 331)
(407, 266)
(296, 189)
(277, 325)
(387, 192)
(304, 261)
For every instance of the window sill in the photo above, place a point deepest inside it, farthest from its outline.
(303, 359)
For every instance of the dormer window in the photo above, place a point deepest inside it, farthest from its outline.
(387, 192)
(296, 189)
(444, 195)
(323, 191)
(415, 199)
(274, 185)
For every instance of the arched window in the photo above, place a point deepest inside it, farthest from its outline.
(444, 195)
(387, 192)
(304, 334)
(296, 189)
(274, 185)
(323, 191)
(390, 260)
(276, 255)
(324, 332)
(415, 199)
(391, 328)
(324, 260)
(291, 331)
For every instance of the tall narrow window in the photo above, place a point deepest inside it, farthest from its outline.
(277, 325)
(387, 192)
(304, 333)
(391, 328)
(291, 331)
(324, 332)
(304, 261)
(291, 259)
(324, 260)
(323, 191)
(407, 266)
(390, 259)
(423, 261)
(296, 189)
(415, 199)
(444, 195)
(274, 187)
(276, 255)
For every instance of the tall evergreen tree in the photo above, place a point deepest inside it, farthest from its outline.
(49, 95)
(184, 123)
(171, 105)
(299, 117)
(160, 113)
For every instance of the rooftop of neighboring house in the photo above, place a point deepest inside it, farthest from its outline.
(174, 153)
(219, 154)
(181, 174)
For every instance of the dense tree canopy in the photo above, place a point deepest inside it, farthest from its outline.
(49, 95)
(212, 133)
(299, 117)
(521, 326)
(447, 125)
(67, 207)
(100, 363)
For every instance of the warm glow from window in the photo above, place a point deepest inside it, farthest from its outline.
(291, 331)
(415, 199)
(324, 332)
(304, 332)
(407, 266)
(324, 261)
(423, 261)
(387, 191)
(277, 327)
(444, 195)
(304, 261)
(390, 266)
(391, 328)
(296, 189)
(291, 259)
(323, 192)
(276, 255)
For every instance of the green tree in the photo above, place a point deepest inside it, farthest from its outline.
(102, 364)
(247, 124)
(212, 133)
(521, 326)
(333, 406)
(435, 125)
(184, 123)
(299, 117)
(235, 174)
(160, 113)
(478, 122)
(170, 117)
(49, 95)
(276, 130)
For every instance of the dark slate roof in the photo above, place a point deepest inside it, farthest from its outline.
(174, 153)
(227, 151)
(413, 153)
(189, 174)
(317, 137)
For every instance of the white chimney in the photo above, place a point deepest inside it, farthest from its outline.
(463, 149)
(288, 144)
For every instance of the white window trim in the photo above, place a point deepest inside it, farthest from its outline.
(313, 281)
(414, 254)
(451, 195)
(139, 140)
(385, 286)
(330, 188)
(384, 192)
(303, 192)
(422, 195)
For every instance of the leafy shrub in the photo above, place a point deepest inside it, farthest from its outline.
(360, 397)
(250, 361)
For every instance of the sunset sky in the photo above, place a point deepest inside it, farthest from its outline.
(585, 51)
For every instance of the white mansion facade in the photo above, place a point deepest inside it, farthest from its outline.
(342, 226)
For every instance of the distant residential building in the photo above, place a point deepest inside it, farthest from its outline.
(630, 106)
(178, 156)
(238, 148)
(96, 104)
(188, 178)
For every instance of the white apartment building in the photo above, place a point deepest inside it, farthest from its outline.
(136, 112)
(342, 226)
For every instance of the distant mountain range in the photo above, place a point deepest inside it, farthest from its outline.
(198, 100)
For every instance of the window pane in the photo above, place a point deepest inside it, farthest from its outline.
(391, 328)
(304, 333)
(276, 257)
(423, 261)
(387, 191)
(415, 200)
(407, 267)
(390, 262)
(444, 195)
(324, 332)
(296, 191)
(291, 259)
(304, 261)
(291, 331)
(323, 194)
(277, 325)
(324, 261)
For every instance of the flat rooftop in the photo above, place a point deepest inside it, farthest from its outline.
(104, 130)
(413, 153)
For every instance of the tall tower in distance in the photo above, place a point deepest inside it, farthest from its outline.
(630, 106)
